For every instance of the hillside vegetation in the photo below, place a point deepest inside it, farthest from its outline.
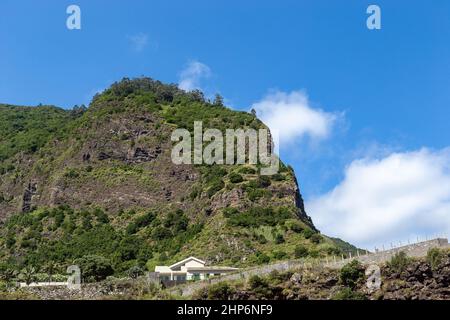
(97, 186)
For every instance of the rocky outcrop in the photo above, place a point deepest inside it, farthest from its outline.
(299, 203)
(28, 194)
(418, 282)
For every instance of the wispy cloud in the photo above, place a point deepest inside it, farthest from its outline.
(293, 117)
(395, 197)
(192, 74)
(138, 41)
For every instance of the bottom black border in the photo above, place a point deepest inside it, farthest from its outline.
(225, 309)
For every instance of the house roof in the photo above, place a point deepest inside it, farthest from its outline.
(211, 269)
(180, 263)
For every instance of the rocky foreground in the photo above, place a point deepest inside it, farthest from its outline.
(401, 279)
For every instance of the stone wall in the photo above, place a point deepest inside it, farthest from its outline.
(415, 250)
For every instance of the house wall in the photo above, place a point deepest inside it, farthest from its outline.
(193, 263)
(205, 275)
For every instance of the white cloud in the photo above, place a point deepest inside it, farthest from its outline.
(138, 41)
(394, 198)
(292, 116)
(191, 76)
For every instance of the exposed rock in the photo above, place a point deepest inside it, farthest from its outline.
(103, 156)
(28, 194)
(296, 278)
(86, 157)
(232, 198)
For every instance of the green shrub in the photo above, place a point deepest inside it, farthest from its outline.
(260, 238)
(177, 221)
(308, 233)
(279, 238)
(230, 212)
(260, 287)
(160, 233)
(128, 248)
(101, 216)
(255, 194)
(351, 273)
(300, 251)
(247, 170)
(213, 172)
(262, 258)
(277, 278)
(220, 291)
(235, 177)
(215, 186)
(28, 274)
(257, 216)
(135, 272)
(435, 257)
(10, 241)
(194, 193)
(256, 282)
(348, 294)
(296, 227)
(278, 177)
(71, 174)
(399, 262)
(94, 268)
(279, 255)
(264, 181)
(141, 222)
(316, 238)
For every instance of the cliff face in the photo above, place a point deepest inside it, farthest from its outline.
(115, 158)
(117, 155)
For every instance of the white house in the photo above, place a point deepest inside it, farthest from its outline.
(190, 269)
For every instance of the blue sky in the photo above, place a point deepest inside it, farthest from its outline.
(384, 94)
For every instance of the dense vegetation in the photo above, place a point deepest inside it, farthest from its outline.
(88, 237)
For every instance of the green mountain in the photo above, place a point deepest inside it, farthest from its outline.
(100, 181)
